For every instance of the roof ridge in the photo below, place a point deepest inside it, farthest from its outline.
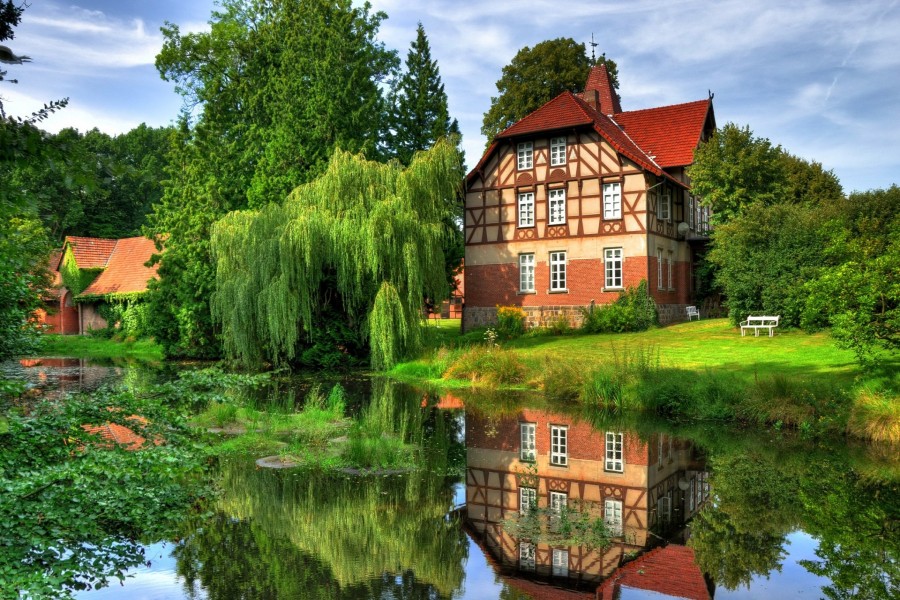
(626, 112)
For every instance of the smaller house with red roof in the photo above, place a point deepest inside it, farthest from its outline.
(580, 200)
(92, 272)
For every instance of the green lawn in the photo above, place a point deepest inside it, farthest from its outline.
(81, 346)
(711, 344)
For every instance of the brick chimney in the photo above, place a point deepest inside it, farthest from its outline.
(600, 85)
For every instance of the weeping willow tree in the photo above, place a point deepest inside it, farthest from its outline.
(344, 262)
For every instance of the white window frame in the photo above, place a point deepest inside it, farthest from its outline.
(659, 268)
(557, 151)
(690, 211)
(559, 445)
(664, 206)
(558, 264)
(612, 200)
(670, 260)
(527, 443)
(524, 156)
(614, 452)
(612, 517)
(559, 501)
(664, 509)
(526, 272)
(526, 209)
(526, 556)
(556, 206)
(527, 500)
(613, 264)
(692, 494)
(560, 562)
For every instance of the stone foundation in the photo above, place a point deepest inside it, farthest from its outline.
(544, 316)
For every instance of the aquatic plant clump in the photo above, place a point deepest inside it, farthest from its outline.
(343, 264)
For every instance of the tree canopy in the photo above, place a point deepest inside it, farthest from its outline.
(340, 267)
(537, 75)
(277, 86)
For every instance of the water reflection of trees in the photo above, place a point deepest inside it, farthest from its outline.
(763, 491)
(299, 534)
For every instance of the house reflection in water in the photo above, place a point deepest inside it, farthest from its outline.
(644, 491)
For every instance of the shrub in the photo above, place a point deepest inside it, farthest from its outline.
(510, 321)
(494, 366)
(633, 310)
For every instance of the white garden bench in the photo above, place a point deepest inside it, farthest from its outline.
(757, 323)
(692, 312)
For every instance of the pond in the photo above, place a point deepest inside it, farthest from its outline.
(513, 498)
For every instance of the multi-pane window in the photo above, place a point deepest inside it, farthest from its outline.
(698, 217)
(614, 458)
(690, 212)
(669, 263)
(526, 556)
(612, 516)
(526, 272)
(526, 209)
(558, 503)
(527, 449)
(664, 509)
(557, 271)
(557, 151)
(612, 200)
(559, 447)
(560, 563)
(612, 261)
(525, 155)
(527, 500)
(664, 207)
(659, 268)
(692, 494)
(557, 201)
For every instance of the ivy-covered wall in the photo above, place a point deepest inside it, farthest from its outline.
(77, 280)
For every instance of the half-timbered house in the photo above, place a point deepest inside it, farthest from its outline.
(580, 200)
(644, 491)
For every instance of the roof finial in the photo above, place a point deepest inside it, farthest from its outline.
(593, 56)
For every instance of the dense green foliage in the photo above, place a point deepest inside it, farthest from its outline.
(418, 117)
(764, 491)
(75, 509)
(103, 188)
(75, 279)
(23, 241)
(788, 242)
(763, 257)
(279, 85)
(633, 310)
(857, 290)
(339, 268)
(537, 75)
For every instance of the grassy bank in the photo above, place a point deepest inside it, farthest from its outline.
(82, 346)
(696, 370)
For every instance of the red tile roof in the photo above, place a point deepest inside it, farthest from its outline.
(653, 138)
(599, 80)
(113, 433)
(670, 571)
(668, 133)
(90, 253)
(125, 271)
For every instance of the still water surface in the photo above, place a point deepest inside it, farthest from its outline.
(691, 510)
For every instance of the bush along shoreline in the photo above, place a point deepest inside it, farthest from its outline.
(699, 371)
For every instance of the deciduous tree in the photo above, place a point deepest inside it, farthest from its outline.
(537, 75)
(279, 85)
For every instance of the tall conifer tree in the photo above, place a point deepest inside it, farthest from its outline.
(419, 112)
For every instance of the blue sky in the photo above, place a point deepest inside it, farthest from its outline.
(819, 77)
